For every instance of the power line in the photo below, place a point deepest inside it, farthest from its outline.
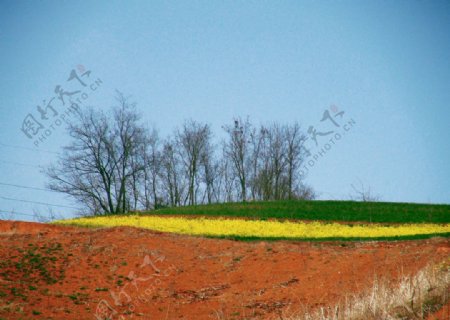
(21, 164)
(36, 215)
(25, 187)
(17, 213)
(26, 148)
(37, 202)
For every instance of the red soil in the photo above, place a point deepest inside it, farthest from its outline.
(156, 275)
(443, 314)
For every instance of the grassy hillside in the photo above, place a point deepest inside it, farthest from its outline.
(322, 210)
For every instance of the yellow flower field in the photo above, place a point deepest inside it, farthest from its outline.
(258, 228)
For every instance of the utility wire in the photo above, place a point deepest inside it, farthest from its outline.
(21, 164)
(17, 213)
(36, 215)
(26, 148)
(25, 187)
(37, 202)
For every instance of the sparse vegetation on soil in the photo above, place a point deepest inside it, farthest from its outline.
(169, 276)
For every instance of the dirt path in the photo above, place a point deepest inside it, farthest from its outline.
(140, 274)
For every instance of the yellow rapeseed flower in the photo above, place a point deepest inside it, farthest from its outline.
(257, 228)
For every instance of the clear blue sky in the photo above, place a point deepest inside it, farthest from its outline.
(385, 64)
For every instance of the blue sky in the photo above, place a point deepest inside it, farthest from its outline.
(385, 64)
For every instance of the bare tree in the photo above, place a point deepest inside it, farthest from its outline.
(171, 174)
(228, 178)
(294, 139)
(192, 143)
(8, 215)
(210, 174)
(237, 150)
(128, 137)
(114, 164)
(152, 171)
(49, 215)
(257, 140)
(264, 177)
(276, 156)
(99, 164)
(363, 193)
(304, 192)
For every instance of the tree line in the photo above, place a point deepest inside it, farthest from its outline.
(114, 164)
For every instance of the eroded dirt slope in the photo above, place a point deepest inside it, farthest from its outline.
(54, 272)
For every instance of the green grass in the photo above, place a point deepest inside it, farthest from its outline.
(381, 212)
(333, 239)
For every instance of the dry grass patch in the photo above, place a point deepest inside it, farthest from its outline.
(413, 298)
